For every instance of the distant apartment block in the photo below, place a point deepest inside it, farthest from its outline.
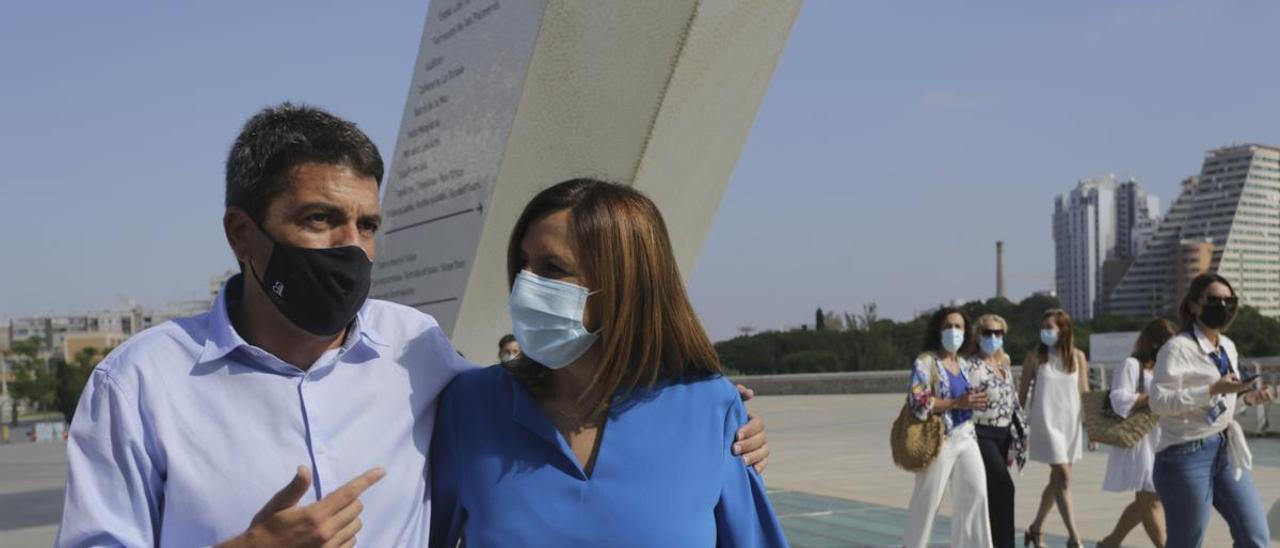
(66, 335)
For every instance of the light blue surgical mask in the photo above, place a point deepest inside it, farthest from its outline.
(546, 318)
(991, 345)
(952, 339)
(1049, 337)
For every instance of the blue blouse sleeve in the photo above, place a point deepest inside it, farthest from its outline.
(744, 517)
(447, 513)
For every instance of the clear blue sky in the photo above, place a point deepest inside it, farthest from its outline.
(897, 141)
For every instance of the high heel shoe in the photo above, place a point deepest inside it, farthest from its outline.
(1033, 538)
(1074, 544)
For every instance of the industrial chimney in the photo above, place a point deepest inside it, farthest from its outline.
(1000, 271)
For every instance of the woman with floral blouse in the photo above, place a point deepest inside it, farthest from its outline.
(941, 385)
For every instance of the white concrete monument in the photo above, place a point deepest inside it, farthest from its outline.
(512, 96)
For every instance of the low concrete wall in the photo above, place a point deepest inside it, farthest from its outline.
(863, 382)
(888, 382)
(1255, 422)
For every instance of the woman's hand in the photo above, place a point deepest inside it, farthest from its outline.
(1093, 446)
(1262, 396)
(973, 400)
(751, 443)
(1228, 384)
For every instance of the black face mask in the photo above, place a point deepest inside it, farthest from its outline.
(319, 290)
(1216, 315)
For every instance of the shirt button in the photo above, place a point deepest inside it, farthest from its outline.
(321, 449)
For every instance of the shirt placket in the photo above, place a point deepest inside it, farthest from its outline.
(319, 442)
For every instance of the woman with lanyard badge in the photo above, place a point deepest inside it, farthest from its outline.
(1000, 426)
(959, 463)
(1202, 458)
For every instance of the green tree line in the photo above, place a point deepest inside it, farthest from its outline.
(49, 384)
(870, 343)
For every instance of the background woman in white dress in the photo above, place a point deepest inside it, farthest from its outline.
(1129, 469)
(1060, 373)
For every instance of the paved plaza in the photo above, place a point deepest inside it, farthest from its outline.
(831, 481)
(836, 449)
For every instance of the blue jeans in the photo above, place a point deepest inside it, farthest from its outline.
(1190, 477)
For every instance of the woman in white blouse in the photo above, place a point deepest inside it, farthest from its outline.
(1129, 469)
(1203, 460)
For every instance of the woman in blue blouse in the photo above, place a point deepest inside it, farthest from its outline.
(940, 385)
(615, 427)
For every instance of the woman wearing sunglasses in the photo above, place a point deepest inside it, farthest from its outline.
(614, 427)
(1000, 426)
(1202, 459)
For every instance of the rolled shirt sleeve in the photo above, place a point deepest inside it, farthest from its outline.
(113, 493)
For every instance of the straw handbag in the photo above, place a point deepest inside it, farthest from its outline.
(1106, 426)
(916, 442)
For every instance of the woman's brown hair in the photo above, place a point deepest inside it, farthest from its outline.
(1150, 339)
(1066, 346)
(648, 329)
(932, 341)
(1197, 289)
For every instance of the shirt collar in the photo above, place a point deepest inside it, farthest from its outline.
(1203, 340)
(363, 328)
(222, 338)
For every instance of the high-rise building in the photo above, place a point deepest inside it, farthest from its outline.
(1136, 216)
(1145, 288)
(1098, 229)
(1084, 234)
(1225, 220)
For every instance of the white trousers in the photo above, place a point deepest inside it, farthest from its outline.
(959, 464)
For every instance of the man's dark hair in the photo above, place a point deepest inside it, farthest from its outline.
(505, 340)
(281, 137)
